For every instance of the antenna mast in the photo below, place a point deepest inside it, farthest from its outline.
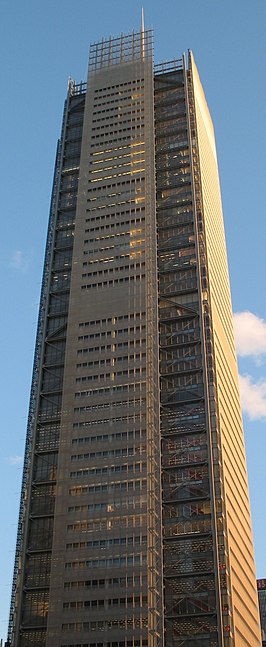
(142, 32)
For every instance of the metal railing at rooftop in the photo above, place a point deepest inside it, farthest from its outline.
(168, 66)
(76, 88)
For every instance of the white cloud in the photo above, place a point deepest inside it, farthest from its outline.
(18, 262)
(253, 397)
(15, 460)
(250, 334)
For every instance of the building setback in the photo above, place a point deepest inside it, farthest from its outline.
(134, 525)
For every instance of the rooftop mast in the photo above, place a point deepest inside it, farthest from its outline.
(142, 32)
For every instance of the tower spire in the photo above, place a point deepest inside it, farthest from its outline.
(142, 32)
(142, 20)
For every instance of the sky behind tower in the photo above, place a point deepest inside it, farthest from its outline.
(41, 45)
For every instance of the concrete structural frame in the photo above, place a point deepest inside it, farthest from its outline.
(134, 526)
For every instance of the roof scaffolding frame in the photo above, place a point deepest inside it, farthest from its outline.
(124, 49)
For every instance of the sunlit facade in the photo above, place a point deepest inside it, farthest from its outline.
(134, 526)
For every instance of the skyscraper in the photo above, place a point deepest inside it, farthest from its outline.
(134, 525)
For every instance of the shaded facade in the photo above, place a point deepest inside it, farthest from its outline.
(261, 584)
(134, 526)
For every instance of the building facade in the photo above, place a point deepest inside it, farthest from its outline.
(134, 525)
(261, 584)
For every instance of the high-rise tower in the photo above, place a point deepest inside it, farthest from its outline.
(134, 525)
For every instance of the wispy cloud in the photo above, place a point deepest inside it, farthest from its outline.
(253, 397)
(250, 334)
(18, 261)
(15, 460)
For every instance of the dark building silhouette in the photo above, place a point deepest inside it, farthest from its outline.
(261, 584)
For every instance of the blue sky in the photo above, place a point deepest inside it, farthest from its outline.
(41, 45)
